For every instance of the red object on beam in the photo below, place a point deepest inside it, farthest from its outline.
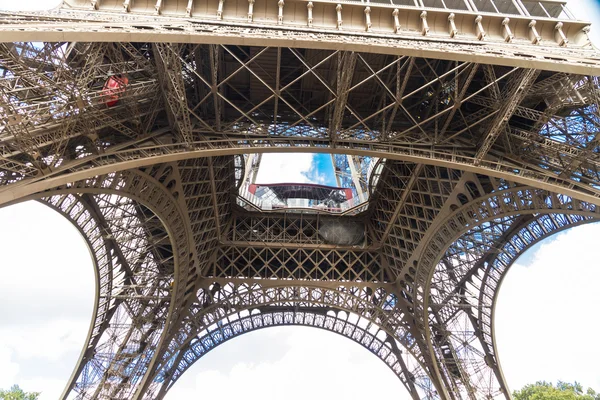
(114, 89)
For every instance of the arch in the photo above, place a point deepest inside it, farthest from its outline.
(84, 203)
(481, 224)
(506, 203)
(518, 200)
(505, 261)
(117, 161)
(220, 300)
(386, 349)
(470, 299)
(73, 208)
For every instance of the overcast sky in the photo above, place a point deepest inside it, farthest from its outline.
(546, 316)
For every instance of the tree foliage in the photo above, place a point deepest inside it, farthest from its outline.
(16, 393)
(562, 391)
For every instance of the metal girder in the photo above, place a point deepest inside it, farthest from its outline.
(297, 263)
(401, 201)
(346, 62)
(576, 57)
(514, 93)
(411, 197)
(225, 299)
(328, 318)
(170, 73)
(139, 305)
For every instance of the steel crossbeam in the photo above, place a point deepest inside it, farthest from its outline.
(514, 94)
(170, 72)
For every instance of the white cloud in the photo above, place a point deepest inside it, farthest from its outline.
(288, 168)
(50, 389)
(547, 322)
(46, 297)
(8, 368)
(49, 341)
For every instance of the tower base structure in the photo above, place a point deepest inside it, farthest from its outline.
(461, 134)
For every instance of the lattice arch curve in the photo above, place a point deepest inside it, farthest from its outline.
(228, 301)
(551, 212)
(142, 158)
(382, 346)
(503, 266)
(80, 203)
(71, 207)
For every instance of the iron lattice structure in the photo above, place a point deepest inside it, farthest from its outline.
(469, 127)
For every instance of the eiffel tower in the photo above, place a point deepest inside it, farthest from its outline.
(461, 132)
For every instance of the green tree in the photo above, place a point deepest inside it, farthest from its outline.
(562, 391)
(16, 393)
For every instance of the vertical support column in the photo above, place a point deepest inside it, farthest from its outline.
(424, 24)
(280, 3)
(368, 19)
(452, 24)
(169, 66)
(250, 10)
(338, 9)
(396, 15)
(220, 10)
(309, 7)
(507, 33)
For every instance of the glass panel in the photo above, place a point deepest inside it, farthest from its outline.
(497, 6)
(433, 3)
(545, 9)
(456, 5)
(404, 3)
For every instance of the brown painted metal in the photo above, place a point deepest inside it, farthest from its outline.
(487, 138)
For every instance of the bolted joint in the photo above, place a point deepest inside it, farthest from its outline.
(368, 19)
(309, 7)
(396, 15)
(561, 38)
(533, 32)
(452, 25)
(424, 24)
(507, 33)
(280, 4)
(338, 9)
